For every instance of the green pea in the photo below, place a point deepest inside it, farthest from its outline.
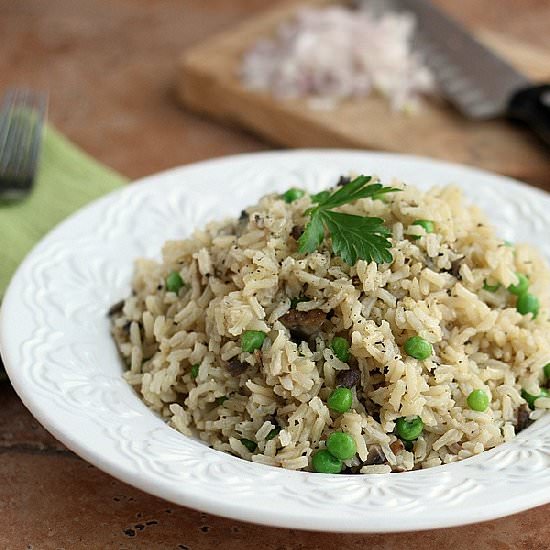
(341, 445)
(273, 433)
(174, 282)
(252, 340)
(340, 400)
(428, 226)
(340, 347)
(478, 400)
(527, 303)
(249, 444)
(532, 398)
(293, 194)
(221, 400)
(325, 463)
(547, 371)
(521, 286)
(490, 288)
(195, 370)
(418, 348)
(409, 430)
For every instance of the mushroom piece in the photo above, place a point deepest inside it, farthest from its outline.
(522, 418)
(296, 232)
(115, 308)
(236, 367)
(375, 456)
(243, 218)
(455, 268)
(303, 324)
(397, 446)
(344, 180)
(348, 378)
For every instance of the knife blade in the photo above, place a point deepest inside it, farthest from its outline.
(476, 80)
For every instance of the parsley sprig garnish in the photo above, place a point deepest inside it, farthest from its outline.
(353, 237)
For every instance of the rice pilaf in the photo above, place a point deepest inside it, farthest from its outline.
(450, 285)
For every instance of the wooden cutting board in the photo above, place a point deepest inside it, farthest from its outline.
(208, 83)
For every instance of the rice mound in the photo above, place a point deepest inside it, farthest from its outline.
(241, 274)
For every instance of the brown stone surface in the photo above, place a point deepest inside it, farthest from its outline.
(108, 65)
(50, 499)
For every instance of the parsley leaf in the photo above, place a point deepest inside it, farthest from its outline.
(313, 234)
(354, 190)
(358, 238)
(353, 237)
(320, 197)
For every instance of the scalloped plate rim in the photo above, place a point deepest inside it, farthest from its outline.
(236, 510)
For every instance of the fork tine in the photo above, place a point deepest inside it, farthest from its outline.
(5, 125)
(26, 148)
(40, 113)
(21, 121)
(19, 127)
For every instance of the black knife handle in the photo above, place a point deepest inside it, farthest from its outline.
(532, 107)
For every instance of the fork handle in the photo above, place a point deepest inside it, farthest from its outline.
(531, 106)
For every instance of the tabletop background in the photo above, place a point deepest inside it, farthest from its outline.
(108, 65)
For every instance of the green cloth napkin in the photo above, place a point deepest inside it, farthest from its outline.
(67, 179)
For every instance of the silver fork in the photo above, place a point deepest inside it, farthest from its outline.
(22, 116)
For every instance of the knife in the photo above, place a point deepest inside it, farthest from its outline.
(478, 82)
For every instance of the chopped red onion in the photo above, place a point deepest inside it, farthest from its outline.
(336, 53)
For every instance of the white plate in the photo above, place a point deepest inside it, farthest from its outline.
(56, 345)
